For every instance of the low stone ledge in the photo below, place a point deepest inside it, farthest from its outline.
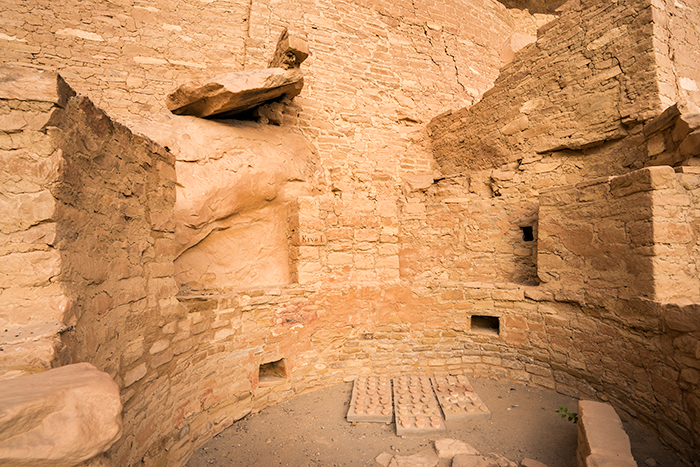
(602, 442)
(60, 417)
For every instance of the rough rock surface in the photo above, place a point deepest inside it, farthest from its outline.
(291, 51)
(531, 463)
(448, 448)
(235, 182)
(514, 44)
(466, 460)
(415, 460)
(233, 93)
(33, 85)
(384, 458)
(60, 417)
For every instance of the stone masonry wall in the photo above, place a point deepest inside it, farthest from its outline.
(377, 69)
(127, 55)
(588, 78)
(115, 235)
(676, 37)
(630, 236)
(676, 209)
(34, 307)
(348, 239)
(188, 371)
(467, 239)
(424, 239)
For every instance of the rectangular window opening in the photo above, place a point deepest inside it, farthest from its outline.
(528, 235)
(485, 324)
(272, 372)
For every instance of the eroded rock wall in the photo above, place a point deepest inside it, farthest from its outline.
(590, 76)
(116, 238)
(236, 185)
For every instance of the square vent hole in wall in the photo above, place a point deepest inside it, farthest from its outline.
(528, 234)
(272, 372)
(483, 324)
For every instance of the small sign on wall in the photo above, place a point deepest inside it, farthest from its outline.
(310, 239)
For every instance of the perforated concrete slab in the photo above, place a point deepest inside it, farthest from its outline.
(458, 399)
(417, 409)
(371, 400)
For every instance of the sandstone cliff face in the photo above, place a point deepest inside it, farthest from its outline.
(236, 181)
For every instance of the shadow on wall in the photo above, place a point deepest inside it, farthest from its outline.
(548, 7)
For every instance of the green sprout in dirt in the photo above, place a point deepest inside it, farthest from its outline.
(573, 416)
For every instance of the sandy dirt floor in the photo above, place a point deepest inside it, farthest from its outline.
(311, 430)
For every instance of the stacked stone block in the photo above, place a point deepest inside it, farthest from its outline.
(34, 307)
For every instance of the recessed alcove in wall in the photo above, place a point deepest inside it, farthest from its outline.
(528, 233)
(272, 372)
(484, 324)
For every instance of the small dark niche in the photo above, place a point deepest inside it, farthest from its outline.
(272, 372)
(528, 234)
(485, 324)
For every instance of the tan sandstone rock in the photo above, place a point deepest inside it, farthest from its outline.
(466, 460)
(291, 51)
(415, 460)
(384, 459)
(232, 93)
(32, 85)
(60, 417)
(448, 448)
(602, 442)
(235, 182)
(531, 463)
(514, 44)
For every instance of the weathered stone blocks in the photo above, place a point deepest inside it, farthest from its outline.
(602, 442)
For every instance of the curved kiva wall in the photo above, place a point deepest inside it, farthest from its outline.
(388, 260)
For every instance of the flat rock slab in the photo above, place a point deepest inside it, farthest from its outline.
(447, 448)
(466, 460)
(232, 93)
(458, 398)
(60, 417)
(384, 458)
(371, 400)
(416, 460)
(417, 410)
(531, 463)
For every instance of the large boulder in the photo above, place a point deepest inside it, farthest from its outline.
(232, 93)
(58, 418)
(236, 180)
